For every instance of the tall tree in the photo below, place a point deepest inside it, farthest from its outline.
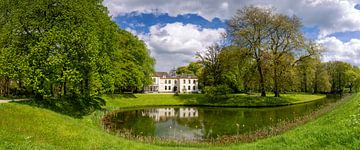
(285, 38)
(250, 29)
(213, 70)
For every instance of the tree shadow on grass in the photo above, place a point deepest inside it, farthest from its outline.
(192, 99)
(74, 107)
(122, 95)
(233, 100)
(254, 100)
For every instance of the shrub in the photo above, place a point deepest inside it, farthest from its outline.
(216, 93)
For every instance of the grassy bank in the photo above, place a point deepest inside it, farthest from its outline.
(242, 100)
(27, 127)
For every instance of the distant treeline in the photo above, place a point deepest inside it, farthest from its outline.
(266, 52)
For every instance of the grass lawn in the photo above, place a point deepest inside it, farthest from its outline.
(27, 127)
(131, 100)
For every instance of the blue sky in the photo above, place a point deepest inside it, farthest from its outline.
(175, 30)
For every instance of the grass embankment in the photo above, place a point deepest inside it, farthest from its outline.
(27, 127)
(240, 100)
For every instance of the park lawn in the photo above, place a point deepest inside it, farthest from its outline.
(339, 129)
(133, 100)
(241, 100)
(27, 127)
(270, 100)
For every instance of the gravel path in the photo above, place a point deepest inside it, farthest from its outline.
(13, 100)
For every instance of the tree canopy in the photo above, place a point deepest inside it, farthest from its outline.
(268, 52)
(63, 48)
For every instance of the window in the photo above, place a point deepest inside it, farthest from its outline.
(169, 81)
(169, 87)
(194, 81)
(165, 81)
(175, 81)
(184, 87)
(189, 81)
(165, 87)
(194, 88)
(189, 88)
(154, 80)
(184, 81)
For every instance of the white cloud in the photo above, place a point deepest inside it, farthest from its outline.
(329, 15)
(341, 51)
(175, 44)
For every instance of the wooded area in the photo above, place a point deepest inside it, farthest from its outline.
(54, 49)
(267, 52)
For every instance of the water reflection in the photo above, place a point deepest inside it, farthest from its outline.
(195, 123)
(160, 114)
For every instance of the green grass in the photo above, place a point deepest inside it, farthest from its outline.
(131, 100)
(26, 127)
(270, 100)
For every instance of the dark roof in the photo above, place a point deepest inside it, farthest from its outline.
(166, 75)
(161, 74)
(190, 76)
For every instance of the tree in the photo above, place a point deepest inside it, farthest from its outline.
(183, 70)
(273, 41)
(213, 70)
(69, 49)
(321, 82)
(338, 75)
(285, 38)
(353, 78)
(195, 68)
(250, 30)
(133, 64)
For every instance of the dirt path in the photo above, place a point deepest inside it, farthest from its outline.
(13, 100)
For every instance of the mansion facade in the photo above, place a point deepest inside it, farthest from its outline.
(164, 82)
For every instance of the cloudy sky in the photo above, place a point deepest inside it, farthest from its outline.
(174, 30)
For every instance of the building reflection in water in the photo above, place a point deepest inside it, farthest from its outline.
(159, 114)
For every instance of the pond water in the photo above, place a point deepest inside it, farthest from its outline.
(201, 123)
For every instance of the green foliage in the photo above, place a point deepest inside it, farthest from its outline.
(213, 71)
(216, 93)
(268, 52)
(61, 48)
(133, 65)
(183, 70)
(339, 78)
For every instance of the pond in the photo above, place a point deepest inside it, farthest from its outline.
(202, 123)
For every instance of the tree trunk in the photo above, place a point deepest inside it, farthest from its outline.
(7, 85)
(262, 82)
(65, 87)
(276, 82)
(87, 87)
(305, 83)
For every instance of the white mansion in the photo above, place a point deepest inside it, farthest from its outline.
(164, 82)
